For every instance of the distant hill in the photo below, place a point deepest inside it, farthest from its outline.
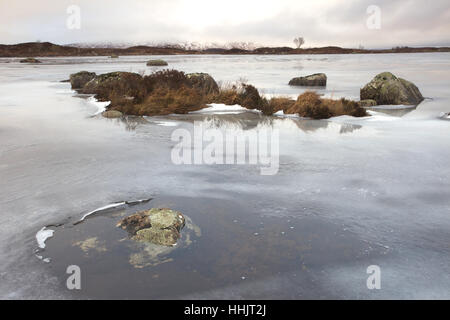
(47, 49)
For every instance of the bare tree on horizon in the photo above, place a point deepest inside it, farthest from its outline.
(299, 42)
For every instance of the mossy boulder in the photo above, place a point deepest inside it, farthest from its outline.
(203, 82)
(157, 63)
(112, 114)
(79, 79)
(387, 89)
(157, 226)
(367, 103)
(114, 84)
(114, 56)
(164, 237)
(313, 80)
(30, 60)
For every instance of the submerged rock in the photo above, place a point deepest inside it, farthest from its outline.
(79, 79)
(157, 63)
(157, 226)
(150, 254)
(30, 60)
(90, 244)
(386, 88)
(203, 82)
(112, 114)
(313, 80)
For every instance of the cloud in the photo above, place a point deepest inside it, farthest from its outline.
(321, 22)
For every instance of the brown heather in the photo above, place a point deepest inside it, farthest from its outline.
(170, 91)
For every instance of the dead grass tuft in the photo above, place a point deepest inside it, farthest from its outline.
(310, 105)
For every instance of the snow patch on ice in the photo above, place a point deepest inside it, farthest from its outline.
(42, 236)
(377, 116)
(288, 115)
(101, 105)
(219, 108)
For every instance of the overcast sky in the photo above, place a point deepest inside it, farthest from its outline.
(272, 23)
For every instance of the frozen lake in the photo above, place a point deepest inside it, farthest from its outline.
(349, 193)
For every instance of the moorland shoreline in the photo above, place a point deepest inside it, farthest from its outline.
(47, 49)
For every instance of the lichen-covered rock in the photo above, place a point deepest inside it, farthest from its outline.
(30, 60)
(79, 79)
(150, 254)
(117, 82)
(386, 88)
(203, 82)
(157, 63)
(112, 114)
(164, 237)
(157, 226)
(313, 80)
(367, 103)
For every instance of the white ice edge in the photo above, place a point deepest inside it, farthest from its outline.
(378, 116)
(109, 206)
(42, 236)
(219, 108)
(392, 107)
(281, 113)
(101, 105)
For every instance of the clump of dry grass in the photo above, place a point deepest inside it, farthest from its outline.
(345, 107)
(281, 103)
(163, 92)
(117, 84)
(242, 94)
(170, 79)
(170, 91)
(310, 105)
(162, 101)
(227, 94)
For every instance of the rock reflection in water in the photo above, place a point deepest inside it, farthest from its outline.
(243, 121)
(395, 111)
